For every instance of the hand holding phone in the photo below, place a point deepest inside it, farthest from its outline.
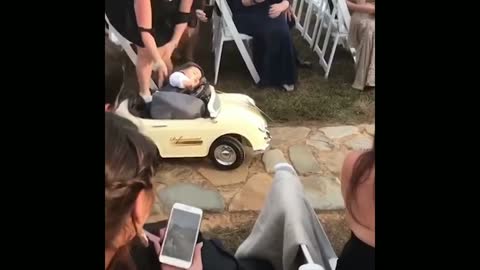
(197, 260)
(179, 249)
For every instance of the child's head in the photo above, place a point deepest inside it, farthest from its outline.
(193, 75)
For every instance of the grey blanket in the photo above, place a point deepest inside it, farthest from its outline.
(172, 105)
(286, 221)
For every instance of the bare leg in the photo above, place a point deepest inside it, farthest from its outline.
(192, 42)
(144, 71)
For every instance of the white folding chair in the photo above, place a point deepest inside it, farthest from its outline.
(335, 29)
(225, 30)
(117, 38)
(318, 9)
(300, 14)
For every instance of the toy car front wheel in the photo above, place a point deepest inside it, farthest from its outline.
(227, 153)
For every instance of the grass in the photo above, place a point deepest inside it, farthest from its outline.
(331, 100)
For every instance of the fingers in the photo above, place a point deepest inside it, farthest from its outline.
(274, 11)
(160, 80)
(157, 247)
(161, 233)
(201, 15)
(162, 74)
(271, 11)
(197, 258)
(273, 14)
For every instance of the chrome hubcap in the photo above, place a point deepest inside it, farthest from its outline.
(225, 155)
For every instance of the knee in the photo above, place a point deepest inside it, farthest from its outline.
(278, 34)
(367, 28)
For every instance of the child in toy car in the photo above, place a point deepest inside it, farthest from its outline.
(184, 97)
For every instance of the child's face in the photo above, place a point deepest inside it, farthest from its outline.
(194, 74)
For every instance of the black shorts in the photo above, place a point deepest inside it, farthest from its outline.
(214, 255)
(356, 255)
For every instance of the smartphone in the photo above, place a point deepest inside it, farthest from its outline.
(181, 236)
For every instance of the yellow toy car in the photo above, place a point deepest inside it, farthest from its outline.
(232, 121)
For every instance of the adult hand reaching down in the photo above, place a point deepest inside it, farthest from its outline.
(277, 9)
(162, 70)
(167, 49)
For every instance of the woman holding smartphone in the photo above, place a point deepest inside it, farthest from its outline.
(155, 27)
(131, 160)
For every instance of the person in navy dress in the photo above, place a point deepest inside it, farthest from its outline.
(273, 50)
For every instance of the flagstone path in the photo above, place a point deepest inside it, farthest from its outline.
(228, 197)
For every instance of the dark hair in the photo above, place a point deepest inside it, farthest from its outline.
(113, 73)
(190, 64)
(131, 160)
(360, 173)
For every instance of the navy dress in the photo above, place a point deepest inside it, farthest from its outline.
(273, 49)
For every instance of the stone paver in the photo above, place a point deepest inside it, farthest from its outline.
(252, 195)
(359, 143)
(271, 158)
(229, 191)
(321, 142)
(172, 172)
(333, 161)
(158, 211)
(303, 160)
(222, 178)
(340, 131)
(323, 193)
(288, 135)
(194, 195)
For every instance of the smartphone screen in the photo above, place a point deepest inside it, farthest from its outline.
(181, 235)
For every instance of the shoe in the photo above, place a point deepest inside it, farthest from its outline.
(288, 87)
(304, 64)
(147, 99)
